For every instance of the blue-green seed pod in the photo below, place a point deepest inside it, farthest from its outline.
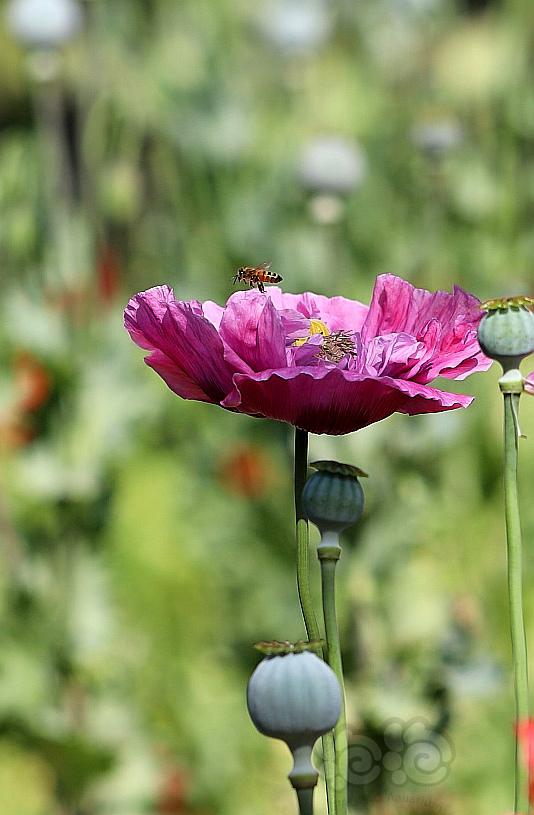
(294, 697)
(506, 332)
(333, 498)
(44, 23)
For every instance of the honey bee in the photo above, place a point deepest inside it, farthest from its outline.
(257, 276)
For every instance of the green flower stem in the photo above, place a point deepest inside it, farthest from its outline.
(329, 553)
(305, 798)
(303, 537)
(515, 589)
(303, 583)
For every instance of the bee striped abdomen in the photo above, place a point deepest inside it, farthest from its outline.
(257, 276)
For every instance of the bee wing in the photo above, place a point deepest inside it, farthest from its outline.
(265, 267)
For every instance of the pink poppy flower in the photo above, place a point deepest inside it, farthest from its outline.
(326, 365)
(529, 384)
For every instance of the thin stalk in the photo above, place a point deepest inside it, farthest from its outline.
(328, 579)
(515, 590)
(306, 604)
(305, 798)
(57, 178)
(303, 537)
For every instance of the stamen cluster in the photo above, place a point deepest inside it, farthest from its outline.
(336, 346)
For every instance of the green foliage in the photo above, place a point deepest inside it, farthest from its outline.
(147, 542)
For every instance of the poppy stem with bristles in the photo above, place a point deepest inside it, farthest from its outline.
(329, 553)
(303, 557)
(306, 604)
(515, 589)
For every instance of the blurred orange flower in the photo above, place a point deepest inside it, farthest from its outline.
(246, 471)
(171, 799)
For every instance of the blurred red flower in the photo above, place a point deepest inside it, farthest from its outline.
(32, 385)
(33, 382)
(108, 269)
(525, 731)
(246, 471)
(171, 799)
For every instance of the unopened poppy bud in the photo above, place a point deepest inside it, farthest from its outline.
(506, 332)
(294, 696)
(333, 497)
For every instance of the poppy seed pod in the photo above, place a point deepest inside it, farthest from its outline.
(332, 164)
(437, 138)
(295, 696)
(44, 23)
(333, 497)
(506, 332)
(296, 26)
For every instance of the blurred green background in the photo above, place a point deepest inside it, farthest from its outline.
(146, 541)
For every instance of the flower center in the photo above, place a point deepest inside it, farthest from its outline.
(336, 346)
(316, 327)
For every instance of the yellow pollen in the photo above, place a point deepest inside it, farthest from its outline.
(316, 327)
